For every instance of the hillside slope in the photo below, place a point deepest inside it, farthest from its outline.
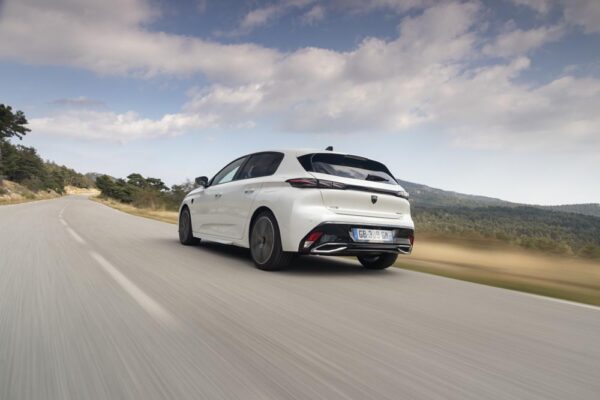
(426, 196)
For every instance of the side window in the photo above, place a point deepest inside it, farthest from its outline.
(228, 173)
(262, 164)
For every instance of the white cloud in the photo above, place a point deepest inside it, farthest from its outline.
(261, 16)
(122, 128)
(423, 78)
(585, 13)
(314, 15)
(108, 38)
(519, 42)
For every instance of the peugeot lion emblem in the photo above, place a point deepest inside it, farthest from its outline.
(373, 199)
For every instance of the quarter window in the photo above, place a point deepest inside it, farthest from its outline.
(261, 164)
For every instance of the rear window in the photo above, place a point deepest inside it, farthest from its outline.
(347, 166)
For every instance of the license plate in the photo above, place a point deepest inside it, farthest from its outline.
(372, 235)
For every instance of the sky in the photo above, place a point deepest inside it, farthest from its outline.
(498, 98)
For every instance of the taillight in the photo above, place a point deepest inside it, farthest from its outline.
(305, 183)
(411, 237)
(312, 237)
(403, 194)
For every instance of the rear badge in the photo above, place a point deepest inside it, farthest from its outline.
(373, 199)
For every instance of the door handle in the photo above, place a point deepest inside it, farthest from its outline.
(249, 191)
(217, 195)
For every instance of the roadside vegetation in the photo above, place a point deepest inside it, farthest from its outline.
(558, 233)
(150, 194)
(24, 175)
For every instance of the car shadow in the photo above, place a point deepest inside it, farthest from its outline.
(303, 265)
(323, 266)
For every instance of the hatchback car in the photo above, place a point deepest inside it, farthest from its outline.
(283, 203)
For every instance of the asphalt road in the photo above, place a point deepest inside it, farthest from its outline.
(98, 304)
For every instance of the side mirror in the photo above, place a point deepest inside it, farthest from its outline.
(202, 181)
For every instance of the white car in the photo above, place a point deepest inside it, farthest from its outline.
(283, 203)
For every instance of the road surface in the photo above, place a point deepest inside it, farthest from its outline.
(98, 304)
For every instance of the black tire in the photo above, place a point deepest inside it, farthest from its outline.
(265, 244)
(186, 236)
(381, 261)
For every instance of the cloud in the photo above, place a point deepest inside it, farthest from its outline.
(314, 11)
(109, 37)
(110, 126)
(79, 102)
(314, 15)
(519, 42)
(262, 16)
(585, 13)
(541, 6)
(434, 75)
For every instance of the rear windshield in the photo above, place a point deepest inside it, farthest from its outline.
(347, 166)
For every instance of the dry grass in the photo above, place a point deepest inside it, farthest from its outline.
(508, 267)
(160, 215)
(81, 191)
(13, 193)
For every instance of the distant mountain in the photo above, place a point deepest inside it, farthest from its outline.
(569, 229)
(585, 209)
(425, 196)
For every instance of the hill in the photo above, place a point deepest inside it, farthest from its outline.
(423, 195)
(427, 196)
(585, 209)
(570, 229)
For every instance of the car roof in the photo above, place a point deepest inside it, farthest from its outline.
(301, 152)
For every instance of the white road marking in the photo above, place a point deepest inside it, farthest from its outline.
(145, 301)
(538, 296)
(75, 235)
(554, 299)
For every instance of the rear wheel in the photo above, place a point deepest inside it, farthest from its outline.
(265, 244)
(381, 261)
(186, 235)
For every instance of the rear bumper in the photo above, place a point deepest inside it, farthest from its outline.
(336, 240)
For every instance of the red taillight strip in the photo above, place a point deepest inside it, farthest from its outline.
(305, 183)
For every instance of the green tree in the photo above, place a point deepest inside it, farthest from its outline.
(12, 124)
(156, 184)
(136, 180)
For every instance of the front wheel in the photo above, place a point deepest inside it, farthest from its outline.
(186, 235)
(265, 244)
(381, 261)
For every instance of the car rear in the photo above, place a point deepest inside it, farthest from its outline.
(364, 210)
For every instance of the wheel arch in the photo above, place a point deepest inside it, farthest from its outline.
(255, 214)
(183, 207)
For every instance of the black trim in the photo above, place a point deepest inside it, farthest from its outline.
(340, 234)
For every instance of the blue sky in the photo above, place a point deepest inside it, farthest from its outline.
(498, 98)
